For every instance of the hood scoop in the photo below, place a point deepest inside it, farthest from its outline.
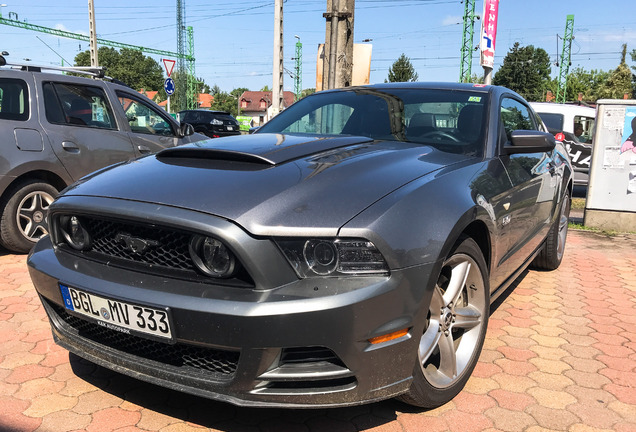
(213, 154)
(260, 149)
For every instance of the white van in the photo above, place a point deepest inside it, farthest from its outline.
(576, 122)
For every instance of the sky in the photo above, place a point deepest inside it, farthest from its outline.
(233, 39)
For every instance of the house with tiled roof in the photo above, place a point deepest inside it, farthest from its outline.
(204, 100)
(150, 94)
(258, 105)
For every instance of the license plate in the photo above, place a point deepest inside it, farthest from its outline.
(118, 315)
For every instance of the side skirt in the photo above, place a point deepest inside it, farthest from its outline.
(504, 286)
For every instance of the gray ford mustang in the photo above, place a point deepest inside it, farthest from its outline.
(345, 253)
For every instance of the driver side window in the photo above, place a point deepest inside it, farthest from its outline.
(515, 116)
(143, 118)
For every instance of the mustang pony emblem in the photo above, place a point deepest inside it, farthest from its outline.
(135, 245)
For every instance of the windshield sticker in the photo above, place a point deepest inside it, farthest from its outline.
(474, 99)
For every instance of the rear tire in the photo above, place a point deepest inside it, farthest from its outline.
(24, 213)
(551, 255)
(455, 330)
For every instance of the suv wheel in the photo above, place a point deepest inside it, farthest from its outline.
(23, 219)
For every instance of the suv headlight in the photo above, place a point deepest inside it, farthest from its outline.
(334, 257)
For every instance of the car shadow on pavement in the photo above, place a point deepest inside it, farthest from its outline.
(226, 417)
(502, 298)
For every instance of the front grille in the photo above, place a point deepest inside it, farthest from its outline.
(171, 251)
(166, 251)
(188, 358)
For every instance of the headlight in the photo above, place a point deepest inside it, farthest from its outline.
(340, 257)
(74, 233)
(212, 257)
(217, 122)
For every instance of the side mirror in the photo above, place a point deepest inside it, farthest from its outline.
(3, 61)
(529, 141)
(186, 129)
(254, 129)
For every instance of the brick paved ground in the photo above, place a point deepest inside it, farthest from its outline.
(560, 354)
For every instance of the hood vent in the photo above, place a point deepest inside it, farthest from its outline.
(263, 150)
(213, 154)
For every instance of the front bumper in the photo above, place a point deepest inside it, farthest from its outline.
(303, 344)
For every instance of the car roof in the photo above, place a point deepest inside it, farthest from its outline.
(205, 111)
(549, 107)
(426, 85)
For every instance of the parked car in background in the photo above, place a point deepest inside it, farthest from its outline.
(214, 124)
(577, 124)
(58, 128)
(346, 252)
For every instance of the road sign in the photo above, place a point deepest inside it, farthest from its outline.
(168, 86)
(169, 65)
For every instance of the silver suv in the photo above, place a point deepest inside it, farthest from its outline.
(57, 128)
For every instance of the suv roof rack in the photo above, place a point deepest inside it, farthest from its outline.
(95, 72)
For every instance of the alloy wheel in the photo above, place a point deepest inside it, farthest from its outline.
(456, 316)
(31, 215)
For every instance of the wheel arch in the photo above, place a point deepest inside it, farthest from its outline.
(42, 175)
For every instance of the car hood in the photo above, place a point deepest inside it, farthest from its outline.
(271, 184)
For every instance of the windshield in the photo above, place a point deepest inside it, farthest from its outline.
(449, 120)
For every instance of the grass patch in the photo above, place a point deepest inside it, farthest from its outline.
(608, 233)
(578, 203)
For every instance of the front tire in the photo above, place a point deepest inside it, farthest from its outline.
(23, 219)
(455, 330)
(551, 255)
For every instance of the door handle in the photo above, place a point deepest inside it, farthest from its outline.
(143, 149)
(70, 147)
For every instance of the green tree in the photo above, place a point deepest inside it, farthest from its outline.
(525, 70)
(477, 79)
(402, 70)
(307, 92)
(266, 88)
(129, 66)
(587, 83)
(224, 101)
(633, 54)
(619, 81)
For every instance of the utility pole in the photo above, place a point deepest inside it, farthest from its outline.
(298, 78)
(277, 87)
(566, 59)
(338, 59)
(465, 68)
(192, 100)
(181, 84)
(92, 34)
(488, 37)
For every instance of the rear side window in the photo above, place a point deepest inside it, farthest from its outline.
(14, 99)
(553, 121)
(77, 105)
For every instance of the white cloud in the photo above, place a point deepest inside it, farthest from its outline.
(452, 19)
(64, 28)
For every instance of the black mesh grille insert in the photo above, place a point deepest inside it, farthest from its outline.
(195, 359)
(153, 249)
(169, 248)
